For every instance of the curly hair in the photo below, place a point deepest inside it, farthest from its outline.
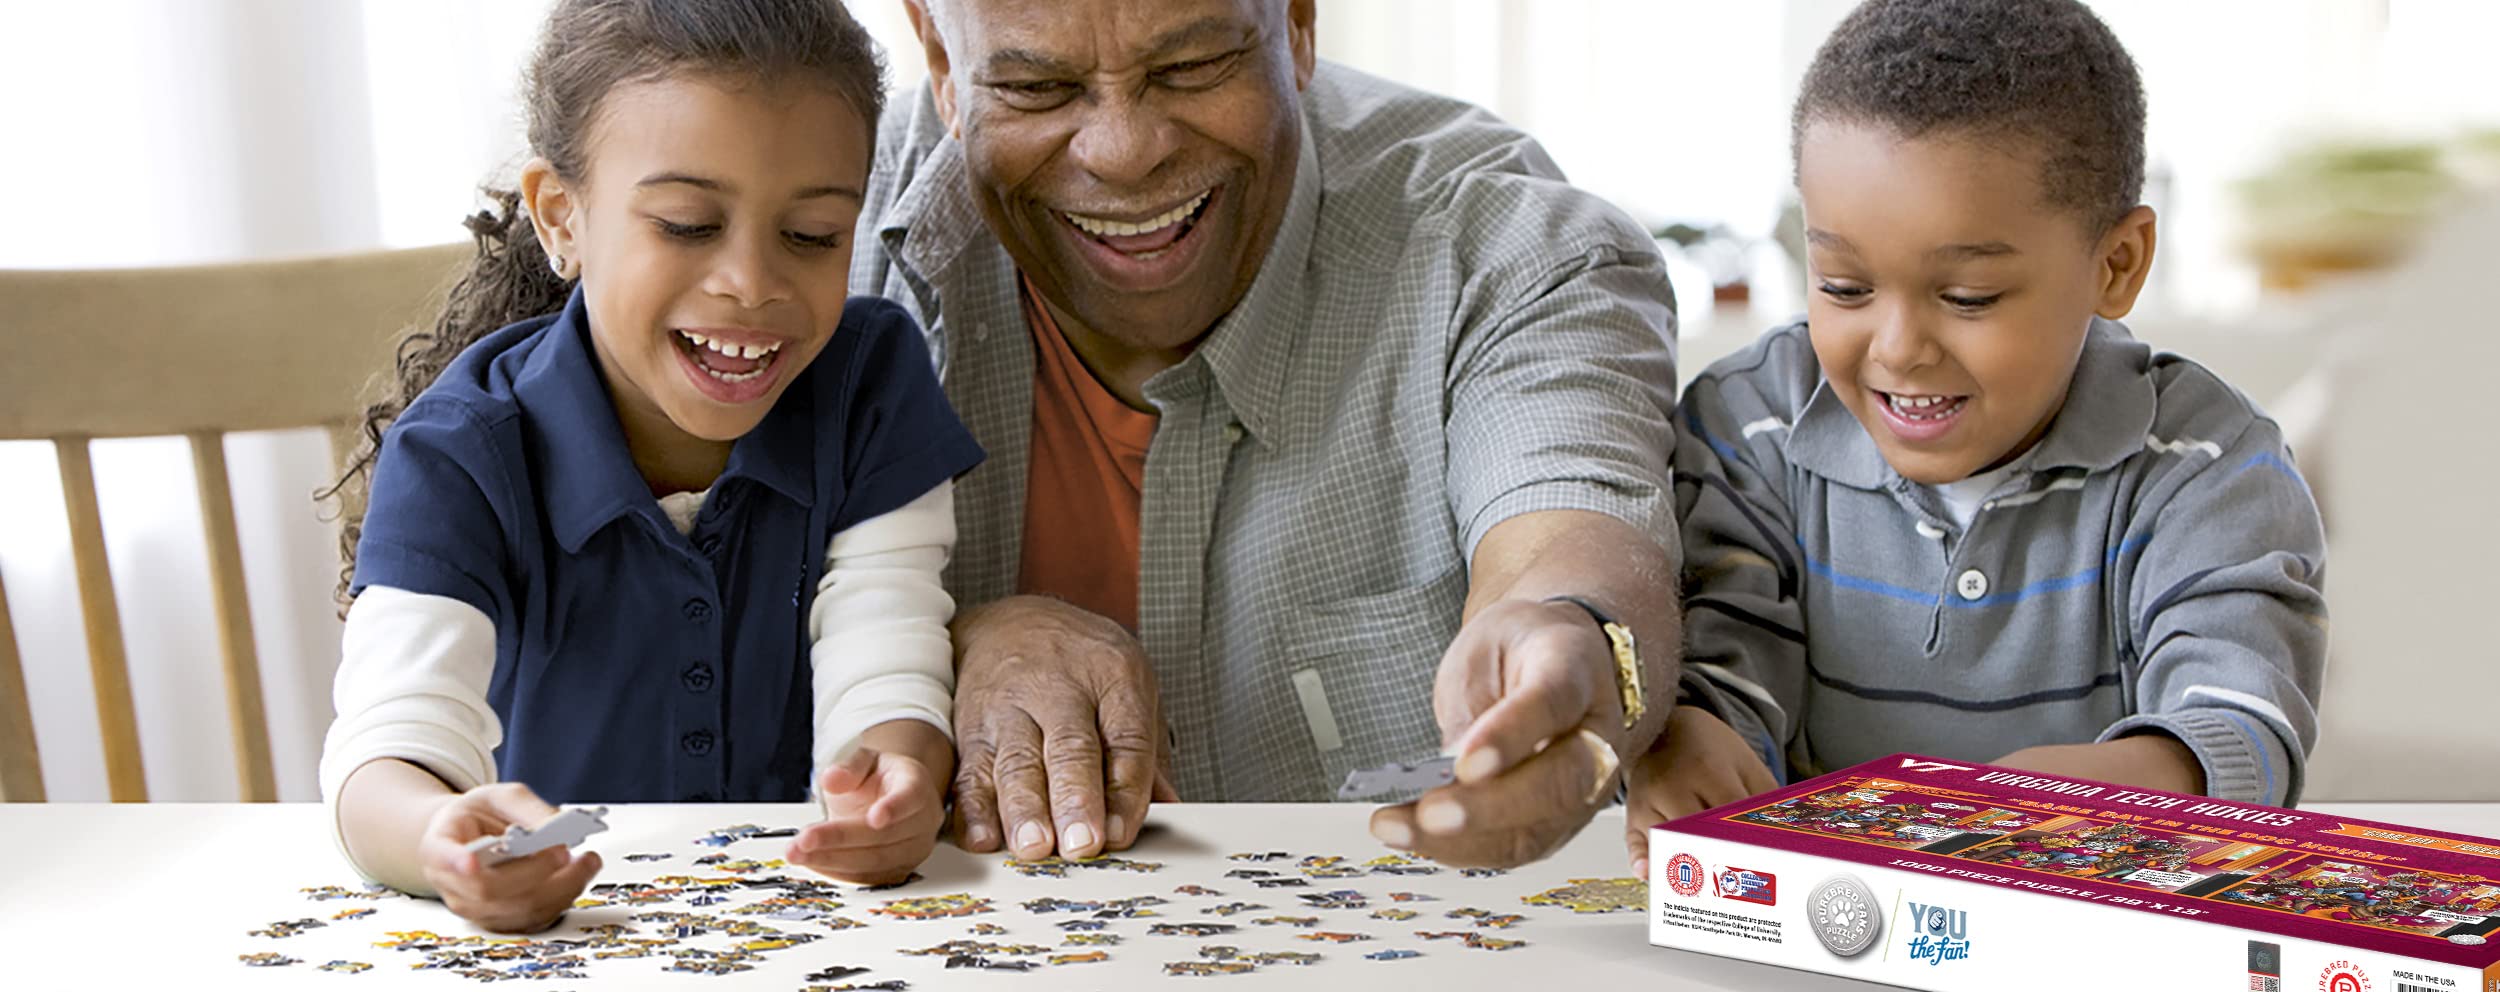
(2046, 72)
(587, 49)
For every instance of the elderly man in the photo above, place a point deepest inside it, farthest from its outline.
(1327, 427)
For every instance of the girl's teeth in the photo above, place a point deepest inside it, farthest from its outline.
(728, 350)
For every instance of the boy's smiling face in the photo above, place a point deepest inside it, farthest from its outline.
(1947, 299)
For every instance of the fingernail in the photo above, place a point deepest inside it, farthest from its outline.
(1607, 763)
(1640, 868)
(976, 836)
(1078, 837)
(1029, 836)
(1443, 817)
(1393, 833)
(1117, 828)
(1480, 764)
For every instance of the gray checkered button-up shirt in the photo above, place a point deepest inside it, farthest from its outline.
(1444, 335)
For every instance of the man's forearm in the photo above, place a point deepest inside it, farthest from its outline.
(1610, 563)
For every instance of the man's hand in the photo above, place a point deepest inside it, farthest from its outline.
(884, 803)
(524, 895)
(1700, 762)
(1526, 699)
(1058, 730)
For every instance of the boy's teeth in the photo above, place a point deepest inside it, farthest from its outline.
(1921, 407)
(1101, 228)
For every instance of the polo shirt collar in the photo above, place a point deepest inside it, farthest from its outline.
(1250, 350)
(587, 478)
(2108, 412)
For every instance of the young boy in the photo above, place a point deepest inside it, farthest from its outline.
(1959, 510)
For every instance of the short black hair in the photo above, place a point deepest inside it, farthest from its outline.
(2041, 71)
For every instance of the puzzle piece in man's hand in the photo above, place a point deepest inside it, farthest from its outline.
(568, 827)
(1398, 777)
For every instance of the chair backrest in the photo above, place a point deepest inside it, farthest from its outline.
(195, 351)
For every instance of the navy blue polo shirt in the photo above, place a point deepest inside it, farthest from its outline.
(634, 663)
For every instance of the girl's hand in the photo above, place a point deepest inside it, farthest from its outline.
(1700, 762)
(524, 895)
(882, 814)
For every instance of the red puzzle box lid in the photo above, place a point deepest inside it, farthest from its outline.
(2426, 894)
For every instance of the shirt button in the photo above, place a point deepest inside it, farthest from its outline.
(698, 610)
(1971, 585)
(1232, 433)
(698, 743)
(697, 677)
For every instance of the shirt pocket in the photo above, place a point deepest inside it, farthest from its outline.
(1359, 671)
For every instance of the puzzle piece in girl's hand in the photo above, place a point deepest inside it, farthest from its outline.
(1399, 777)
(568, 827)
(1596, 895)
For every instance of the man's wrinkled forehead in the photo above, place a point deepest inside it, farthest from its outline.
(1013, 32)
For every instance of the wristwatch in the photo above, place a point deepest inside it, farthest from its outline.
(1628, 676)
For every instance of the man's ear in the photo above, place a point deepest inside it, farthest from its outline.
(1301, 28)
(555, 212)
(924, 24)
(2122, 261)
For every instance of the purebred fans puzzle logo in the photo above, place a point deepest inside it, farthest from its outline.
(2344, 976)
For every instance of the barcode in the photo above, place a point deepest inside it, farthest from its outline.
(2407, 987)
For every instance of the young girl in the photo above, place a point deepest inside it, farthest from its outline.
(673, 532)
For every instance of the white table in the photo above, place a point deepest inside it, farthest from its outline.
(131, 896)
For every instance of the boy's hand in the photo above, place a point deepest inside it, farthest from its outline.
(524, 895)
(882, 814)
(1700, 762)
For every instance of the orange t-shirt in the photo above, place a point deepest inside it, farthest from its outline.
(1084, 483)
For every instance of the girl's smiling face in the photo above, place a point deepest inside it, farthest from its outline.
(1947, 299)
(711, 230)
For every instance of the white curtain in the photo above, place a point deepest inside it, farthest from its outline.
(163, 131)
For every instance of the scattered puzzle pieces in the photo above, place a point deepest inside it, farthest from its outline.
(1596, 895)
(935, 907)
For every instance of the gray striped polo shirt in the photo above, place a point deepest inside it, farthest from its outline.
(2156, 565)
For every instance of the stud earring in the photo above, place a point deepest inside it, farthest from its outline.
(555, 263)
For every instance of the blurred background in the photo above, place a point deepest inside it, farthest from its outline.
(2327, 174)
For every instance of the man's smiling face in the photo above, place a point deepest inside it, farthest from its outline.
(1133, 156)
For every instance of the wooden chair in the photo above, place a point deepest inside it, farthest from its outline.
(198, 352)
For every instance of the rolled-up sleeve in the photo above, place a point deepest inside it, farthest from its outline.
(1563, 401)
